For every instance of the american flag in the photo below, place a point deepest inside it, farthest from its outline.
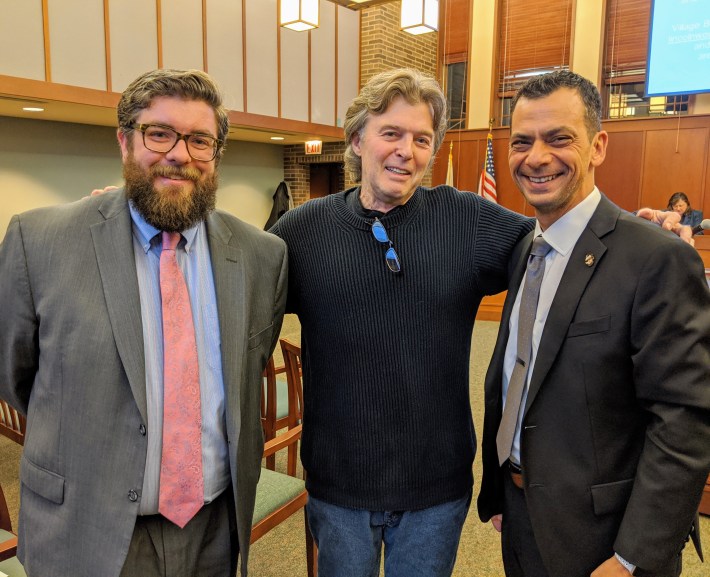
(487, 182)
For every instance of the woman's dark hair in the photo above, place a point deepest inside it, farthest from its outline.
(675, 197)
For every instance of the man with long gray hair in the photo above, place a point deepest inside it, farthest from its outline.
(386, 279)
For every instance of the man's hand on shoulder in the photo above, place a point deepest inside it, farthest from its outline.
(98, 191)
(668, 220)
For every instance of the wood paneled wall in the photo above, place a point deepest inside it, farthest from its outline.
(647, 161)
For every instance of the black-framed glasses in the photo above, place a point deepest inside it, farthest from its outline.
(160, 138)
(380, 234)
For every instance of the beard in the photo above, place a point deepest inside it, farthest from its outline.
(172, 209)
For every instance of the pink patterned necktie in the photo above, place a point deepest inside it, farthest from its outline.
(181, 482)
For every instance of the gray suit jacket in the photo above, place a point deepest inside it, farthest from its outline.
(615, 446)
(71, 358)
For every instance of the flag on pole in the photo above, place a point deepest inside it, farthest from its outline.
(450, 170)
(487, 182)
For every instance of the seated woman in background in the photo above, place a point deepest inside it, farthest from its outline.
(678, 202)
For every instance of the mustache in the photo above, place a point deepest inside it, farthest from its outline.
(183, 173)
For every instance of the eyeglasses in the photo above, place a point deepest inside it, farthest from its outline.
(391, 258)
(159, 138)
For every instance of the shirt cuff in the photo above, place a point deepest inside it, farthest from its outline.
(630, 567)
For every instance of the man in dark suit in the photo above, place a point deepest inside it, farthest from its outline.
(608, 454)
(86, 351)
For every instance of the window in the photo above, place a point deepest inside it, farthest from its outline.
(624, 70)
(628, 101)
(534, 38)
(456, 94)
(453, 51)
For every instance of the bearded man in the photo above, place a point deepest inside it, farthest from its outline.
(133, 334)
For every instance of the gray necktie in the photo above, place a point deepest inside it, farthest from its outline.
(526, 321)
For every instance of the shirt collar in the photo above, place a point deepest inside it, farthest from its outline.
(563, 234)
(146, 232)
(352, 199)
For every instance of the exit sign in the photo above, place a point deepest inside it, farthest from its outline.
(314, 147)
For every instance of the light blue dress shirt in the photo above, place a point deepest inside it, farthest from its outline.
(193, 257)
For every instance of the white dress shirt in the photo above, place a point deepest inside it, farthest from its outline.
(562, 235)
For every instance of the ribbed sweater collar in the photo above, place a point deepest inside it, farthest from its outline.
(345, 205)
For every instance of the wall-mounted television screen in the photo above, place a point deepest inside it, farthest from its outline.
(678, 47)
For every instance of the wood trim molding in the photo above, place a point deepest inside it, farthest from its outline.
(278, 58)
(107, 43)
(359, 51)
(260, 121)
(159, 23)
(204, 36)
(335, 99)
(244, 55)
(310, 80)
(47, 47)
(702, 245)
(39, 89)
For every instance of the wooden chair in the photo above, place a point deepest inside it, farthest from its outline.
(294, 371)
(274, 404)
(8, 540)
(280, 495)
(12, 423)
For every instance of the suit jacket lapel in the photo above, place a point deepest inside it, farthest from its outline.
(113, 243)
(229, 281)
(570, 291)
(519, 262)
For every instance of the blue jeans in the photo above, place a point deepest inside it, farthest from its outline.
(417, 543)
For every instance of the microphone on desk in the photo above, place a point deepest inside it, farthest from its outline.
(704, 225)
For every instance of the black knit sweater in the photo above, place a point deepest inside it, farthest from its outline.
(387, 421)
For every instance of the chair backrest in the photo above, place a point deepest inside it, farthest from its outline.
(12, 423)
(8, 540)
(5, 521)
(274, 399)
(268, 399)
(279, 495)
(292, 362)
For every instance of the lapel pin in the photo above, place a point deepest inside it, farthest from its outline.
(589, 259)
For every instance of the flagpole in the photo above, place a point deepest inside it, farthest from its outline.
(450, 167)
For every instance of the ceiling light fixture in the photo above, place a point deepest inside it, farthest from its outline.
(299, 15)
(419, 16)
(32, 109)
(277, 138)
